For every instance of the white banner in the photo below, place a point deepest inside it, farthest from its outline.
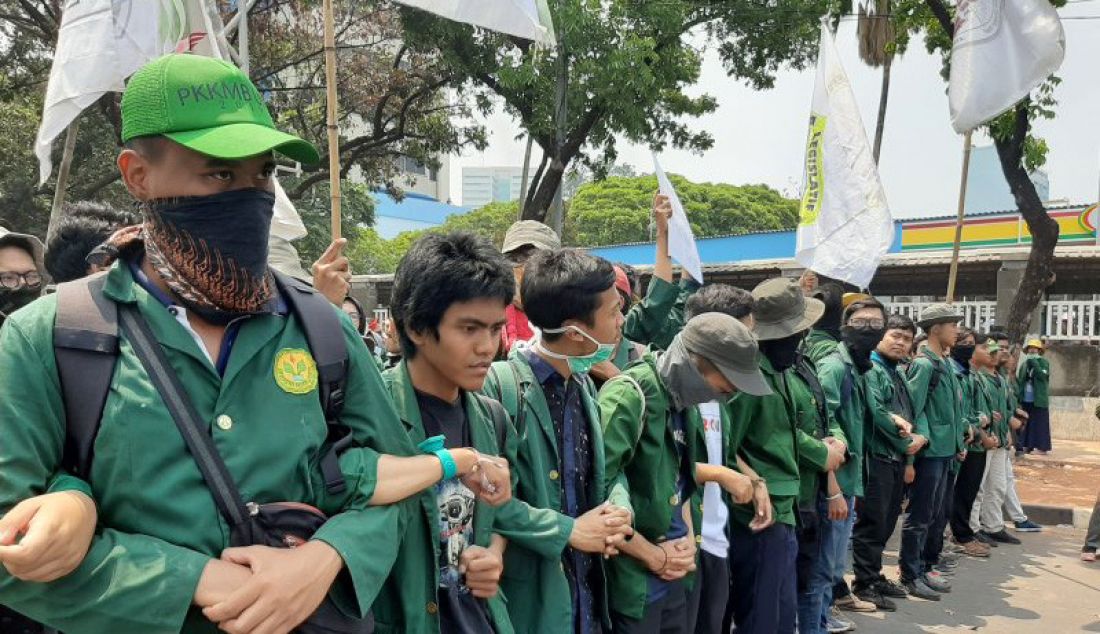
(681, 240)
(1001, 51)
(844, 224)
(528, 19)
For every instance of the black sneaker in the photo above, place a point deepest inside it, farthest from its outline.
(985, 539)
(872, 595)
(892, 589)
(1002, 536)
(919, 590)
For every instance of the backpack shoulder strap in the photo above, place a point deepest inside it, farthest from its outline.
(806, 373)
(500, 420)
(325, 337)
(641, 393)
(85, 342)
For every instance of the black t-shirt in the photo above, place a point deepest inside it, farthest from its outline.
(460, 612)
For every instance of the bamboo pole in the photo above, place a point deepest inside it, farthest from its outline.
(951, 277)
(63, 176)
(333, 129)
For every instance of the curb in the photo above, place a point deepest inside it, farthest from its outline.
(1077, 517)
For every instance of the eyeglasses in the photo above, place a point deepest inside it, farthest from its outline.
(877, 324)
(16, 281)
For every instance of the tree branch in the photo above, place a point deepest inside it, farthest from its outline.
(939, 9)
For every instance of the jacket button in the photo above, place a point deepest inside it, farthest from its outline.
(698, 539)
(432, 608)
(674, 500)
(224, 422)
(554, 474)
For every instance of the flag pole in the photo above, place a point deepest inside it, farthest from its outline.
(333, 129)
(63, 176)
(951, 277)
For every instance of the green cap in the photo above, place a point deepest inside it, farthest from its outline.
(730, 346)
(207, 105)
(938, 314)
(781, 310)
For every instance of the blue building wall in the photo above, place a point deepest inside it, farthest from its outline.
(776, 245)
(413, 213)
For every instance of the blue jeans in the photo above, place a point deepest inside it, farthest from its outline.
(925, 502)
(833, 558)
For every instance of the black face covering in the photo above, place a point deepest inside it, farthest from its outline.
(13, 300)
(962, 354)
(861, 342)
(782, 353)
(212, 251)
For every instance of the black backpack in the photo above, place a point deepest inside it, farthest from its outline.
(86, 348)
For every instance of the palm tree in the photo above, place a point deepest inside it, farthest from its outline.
(876, 48)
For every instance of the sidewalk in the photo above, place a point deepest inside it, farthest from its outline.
(1060, 487)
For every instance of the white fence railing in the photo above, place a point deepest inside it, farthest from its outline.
(976, 314)
(1060, 320)
(1071, 320)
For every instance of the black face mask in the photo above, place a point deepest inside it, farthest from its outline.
(962, 354)
(13, 300)
(861, 342)
(782, 353)
(212, 251)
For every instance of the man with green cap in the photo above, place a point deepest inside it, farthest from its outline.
(765, 434)
(202, 305)
(937, 407)
(653, 435)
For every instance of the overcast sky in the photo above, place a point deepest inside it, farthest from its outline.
(760, 136)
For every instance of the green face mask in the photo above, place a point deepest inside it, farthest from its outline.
(582, 364)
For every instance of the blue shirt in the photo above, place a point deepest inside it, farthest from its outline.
(571, 426)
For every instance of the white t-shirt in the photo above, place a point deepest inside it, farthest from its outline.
(715, 512)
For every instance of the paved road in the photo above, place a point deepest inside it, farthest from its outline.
(1040, 587)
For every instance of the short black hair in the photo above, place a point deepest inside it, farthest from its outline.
(720, 298)
(832, 295)
(519, 255)
(441, 269)
(858, 305)
(964, 332)
(898, 321)
(562, 285)
(919, 339)
(151, 147)
(81, 227)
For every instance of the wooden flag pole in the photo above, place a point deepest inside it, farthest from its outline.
(951, 277)
(333, 128)
(63, 176)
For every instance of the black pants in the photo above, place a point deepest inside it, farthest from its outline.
(925, 498)
(967, 484)
(666, 616)
(876, 518)
(762, 566)
(708, 598)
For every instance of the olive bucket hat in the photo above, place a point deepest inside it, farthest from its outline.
(781, 309)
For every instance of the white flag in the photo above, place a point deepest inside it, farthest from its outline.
(1002, 50)
(528, 19)
(844, 225)
(101, 43)
(681, 240)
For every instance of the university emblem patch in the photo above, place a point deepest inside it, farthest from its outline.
(295, 371)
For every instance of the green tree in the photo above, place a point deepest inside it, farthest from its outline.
(357, 211)
(393, 101)
(617, 210)
(626, 64)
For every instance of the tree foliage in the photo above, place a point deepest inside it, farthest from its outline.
(356, 210)
(393, 101)
(628, 66)
(617, 210)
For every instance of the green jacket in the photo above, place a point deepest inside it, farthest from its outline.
(639, 444)
(819, 344)
(534, 581)
(409, 600)
(1035, 368)
(764, 433)
(975, 403)
(158, 525)
(660, 316)
(1000, 401)
(940, 412)
(844, 394)
(810, 432)
(887, 393)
